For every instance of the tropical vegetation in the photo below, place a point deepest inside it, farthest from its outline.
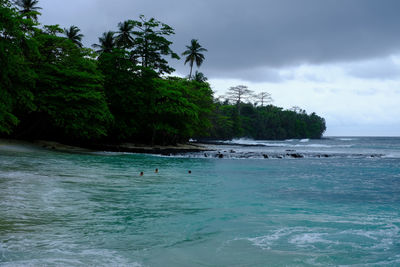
(263, 122)
(193, 55)
(53, 87)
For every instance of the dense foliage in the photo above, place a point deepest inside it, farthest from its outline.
(16, 76)
(69, 96)
(51, 87)
(264, 122)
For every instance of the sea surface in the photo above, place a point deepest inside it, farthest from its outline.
(335, 203)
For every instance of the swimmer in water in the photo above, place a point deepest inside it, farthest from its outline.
(141, 173)
(156, 170)
(189, 171)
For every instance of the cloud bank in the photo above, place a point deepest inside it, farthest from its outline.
(245, 35)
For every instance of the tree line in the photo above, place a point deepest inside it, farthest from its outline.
(241, 113)
(52, 87)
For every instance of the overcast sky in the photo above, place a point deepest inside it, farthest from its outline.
(338, 58)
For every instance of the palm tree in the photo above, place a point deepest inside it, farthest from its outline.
(193, 54)
(199, 77)
(73, 34)
(29, 8)
(107, 43)
(124, 37)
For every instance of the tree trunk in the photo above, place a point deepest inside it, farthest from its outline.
(191, 67)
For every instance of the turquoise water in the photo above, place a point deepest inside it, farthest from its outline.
(94, 209)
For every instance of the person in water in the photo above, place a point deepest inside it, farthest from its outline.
(189, 171)
(141, 173)
(156, 170)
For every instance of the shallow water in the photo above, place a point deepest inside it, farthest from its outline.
(339, 147)
(94, 209)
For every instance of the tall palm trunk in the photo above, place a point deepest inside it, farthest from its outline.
(191, 67)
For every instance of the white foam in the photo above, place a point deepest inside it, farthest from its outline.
(304, 140)
(388, 231)
(315, 145)
(310, 238)
(247, 141)
(392, 156)
(242, 141)
(278, 144)
(383, 238)
(266, 241)
(323, 146)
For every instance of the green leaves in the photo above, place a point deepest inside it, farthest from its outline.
(107, 43)
(145, 40)
(127, 88)
(29, 8)
(151, 44)
(51, 87)
(16, 76)
(182, 109)
(264, 122)
(73, 35)
(193, 54)
(150, 109)
(68, 93)
(124, 38)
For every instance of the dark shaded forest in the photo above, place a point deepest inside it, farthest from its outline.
(54, 88)
(264, 123)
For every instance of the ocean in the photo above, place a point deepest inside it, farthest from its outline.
(328, 202)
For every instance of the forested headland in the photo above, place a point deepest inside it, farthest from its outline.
(121, 89)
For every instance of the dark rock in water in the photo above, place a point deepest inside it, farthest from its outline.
(290, 150)
(220, 156)
(295, 155)
(265, 156)
(232, 151)
(324, 156)
(279, 157)
(376, 156)
(205, 155)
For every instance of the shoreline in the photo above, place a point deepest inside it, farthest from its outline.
(123, 147)
(147, 149)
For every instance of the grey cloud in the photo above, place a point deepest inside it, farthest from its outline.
(382, 69)
(250, 74)
(245, 35)
(314, 78)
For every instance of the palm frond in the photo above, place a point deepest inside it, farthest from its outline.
(193, 54)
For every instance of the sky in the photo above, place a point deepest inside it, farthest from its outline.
(337, 58)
